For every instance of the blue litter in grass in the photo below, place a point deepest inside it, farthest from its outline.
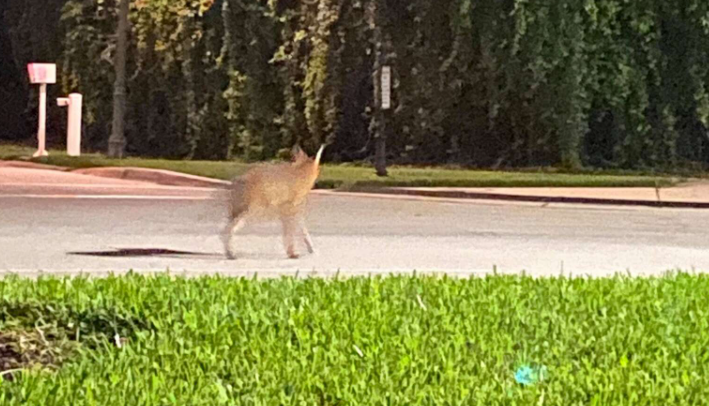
(527, 375)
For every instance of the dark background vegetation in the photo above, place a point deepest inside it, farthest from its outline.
(487, 83)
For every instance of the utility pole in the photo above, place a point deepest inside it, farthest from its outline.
(117, 140)
(382, 85)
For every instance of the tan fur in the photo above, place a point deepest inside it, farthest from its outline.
(274, 191)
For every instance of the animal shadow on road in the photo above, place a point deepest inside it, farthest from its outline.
(148, 252)
(168, 253)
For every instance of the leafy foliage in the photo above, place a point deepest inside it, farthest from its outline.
(603, 83)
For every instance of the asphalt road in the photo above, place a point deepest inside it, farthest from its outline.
(49, 227)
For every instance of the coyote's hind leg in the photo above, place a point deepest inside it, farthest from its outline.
(289, 227)
(234, 225)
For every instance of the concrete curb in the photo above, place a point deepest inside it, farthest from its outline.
(533, 199)
(158, 176)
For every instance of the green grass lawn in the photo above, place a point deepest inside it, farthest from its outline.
(354, 176)
(361, 341)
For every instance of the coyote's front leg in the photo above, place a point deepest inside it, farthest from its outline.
(306, 237)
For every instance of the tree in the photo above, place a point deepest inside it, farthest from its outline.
(117, 140)
(13, 95)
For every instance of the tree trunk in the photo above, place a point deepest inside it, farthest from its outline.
(192, 122)
(13, 92)
(117, 140)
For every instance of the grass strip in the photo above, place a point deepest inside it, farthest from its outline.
(158, 340)
(353, 176)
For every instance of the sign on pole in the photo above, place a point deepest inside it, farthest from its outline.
(386, 88)
(42, 74)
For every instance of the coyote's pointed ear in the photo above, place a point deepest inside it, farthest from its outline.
(297, 154)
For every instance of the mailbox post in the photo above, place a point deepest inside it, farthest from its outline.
(73, 128)
(42, 74)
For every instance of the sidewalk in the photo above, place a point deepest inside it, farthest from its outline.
(687, 195)
(118, 174)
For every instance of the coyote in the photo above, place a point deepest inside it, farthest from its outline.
(274, 190)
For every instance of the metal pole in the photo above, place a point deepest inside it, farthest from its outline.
(382, 90)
